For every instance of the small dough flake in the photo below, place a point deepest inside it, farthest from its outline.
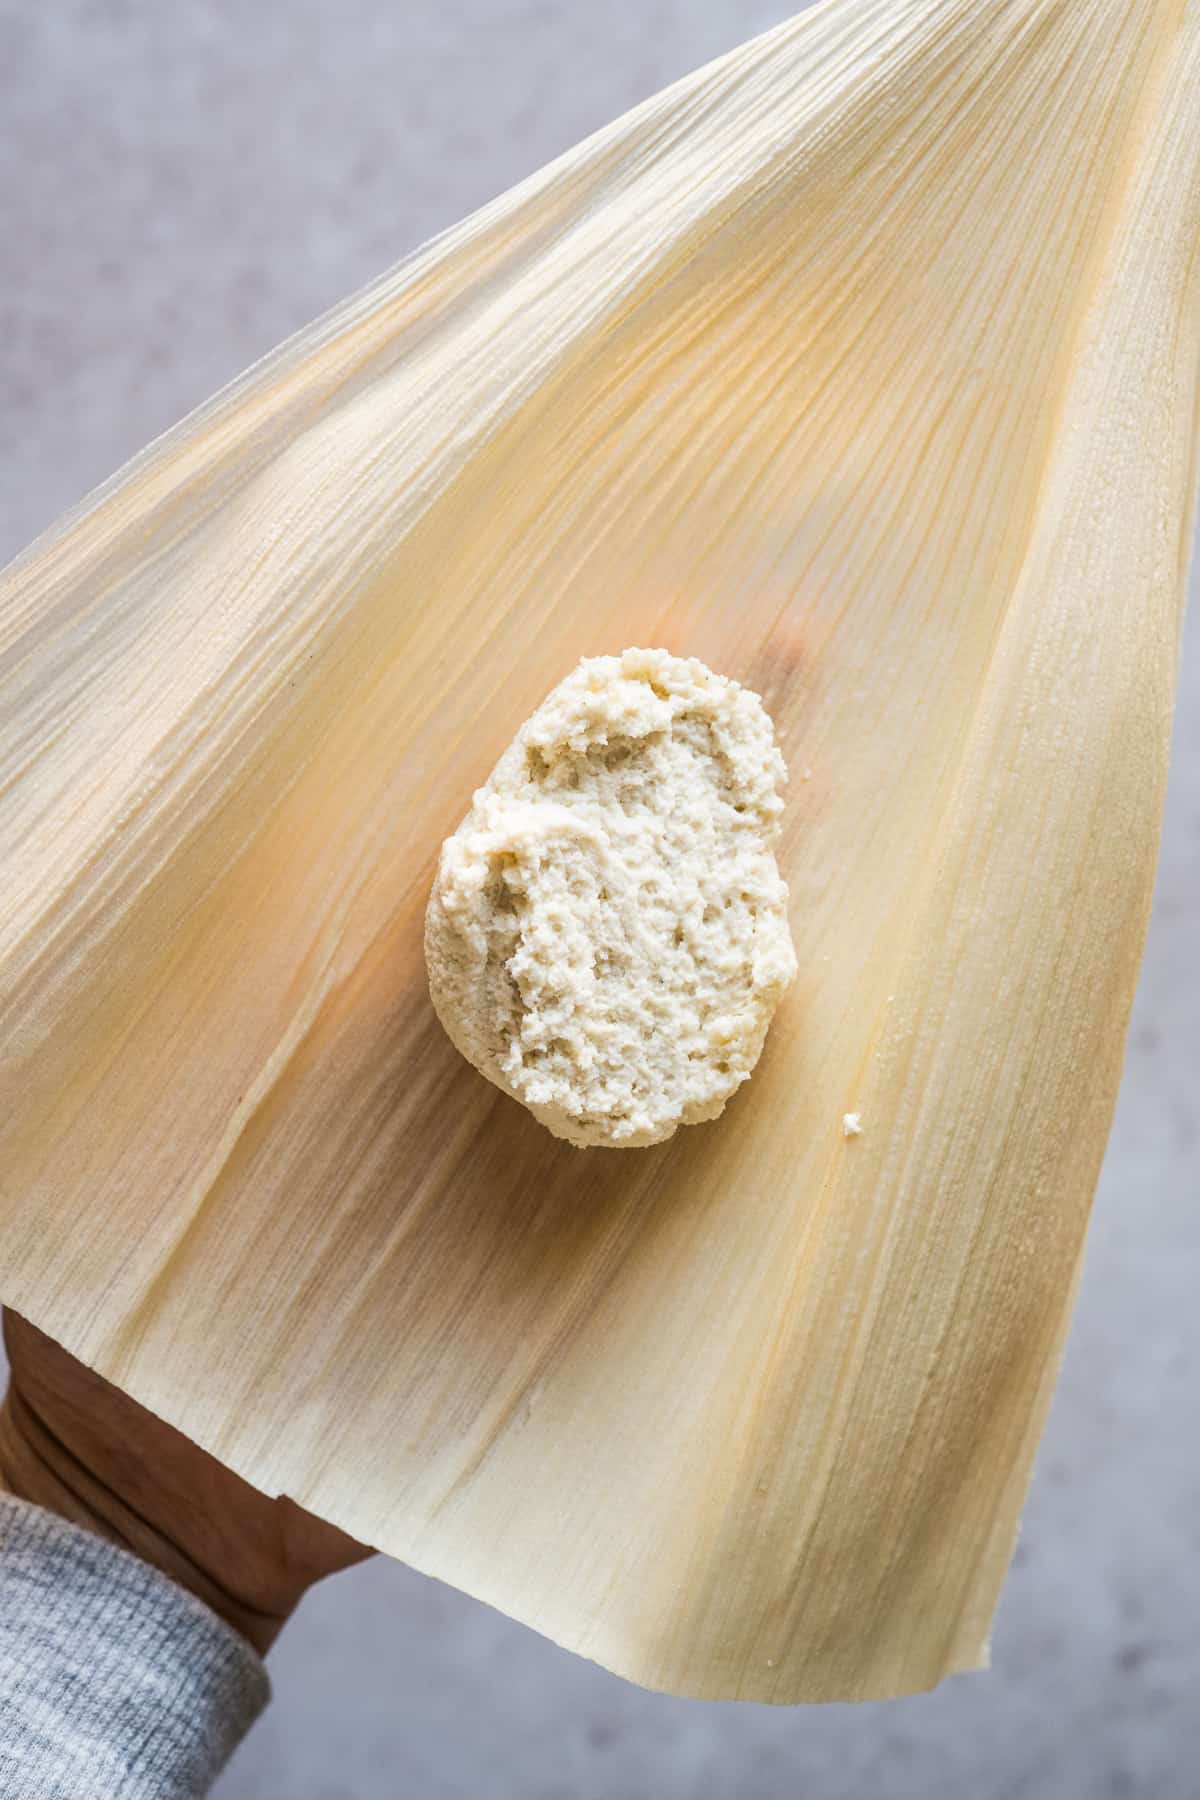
(607, 934)
(851, 1124)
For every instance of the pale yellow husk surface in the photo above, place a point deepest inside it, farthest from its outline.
(862, 365)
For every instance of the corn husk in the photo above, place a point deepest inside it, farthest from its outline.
(862, 364)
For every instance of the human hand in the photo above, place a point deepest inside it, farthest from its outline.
(72, 1442)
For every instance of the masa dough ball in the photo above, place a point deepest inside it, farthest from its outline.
(607, 934)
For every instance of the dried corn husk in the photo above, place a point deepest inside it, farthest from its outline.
(862, 364)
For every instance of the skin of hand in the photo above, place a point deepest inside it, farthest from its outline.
(71, 1442)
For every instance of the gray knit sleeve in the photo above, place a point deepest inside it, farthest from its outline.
(114, 1681)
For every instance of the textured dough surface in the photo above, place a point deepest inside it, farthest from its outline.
(607, 934)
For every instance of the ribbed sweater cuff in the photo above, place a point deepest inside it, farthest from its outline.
(114, 1680)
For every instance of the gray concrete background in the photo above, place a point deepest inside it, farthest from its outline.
(182, 185)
